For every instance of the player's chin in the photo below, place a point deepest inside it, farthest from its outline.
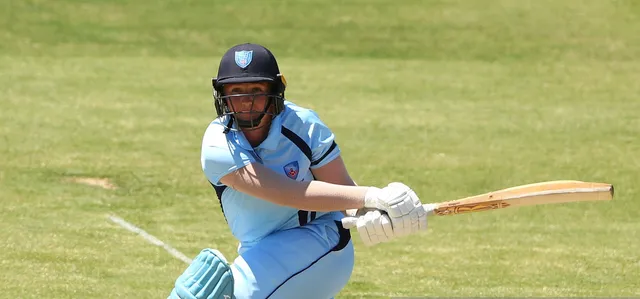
(255, 124)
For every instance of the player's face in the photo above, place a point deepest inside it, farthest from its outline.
(251, 98)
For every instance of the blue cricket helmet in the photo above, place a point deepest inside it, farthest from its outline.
(246, 63)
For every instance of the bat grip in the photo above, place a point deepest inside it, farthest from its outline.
(429, 208)
(351, 222)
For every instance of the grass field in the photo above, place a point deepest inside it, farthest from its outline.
(454, 98)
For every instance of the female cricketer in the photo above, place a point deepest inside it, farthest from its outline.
(284, 190)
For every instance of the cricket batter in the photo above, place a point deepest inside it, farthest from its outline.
(284, 190)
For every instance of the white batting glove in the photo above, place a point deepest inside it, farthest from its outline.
(373, 226)
(403, 206)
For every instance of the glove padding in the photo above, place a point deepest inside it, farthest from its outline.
(374, 226)
(403, 206)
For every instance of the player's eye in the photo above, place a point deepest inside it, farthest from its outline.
(257, 90)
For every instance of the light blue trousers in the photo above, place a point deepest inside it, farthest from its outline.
(311, 261)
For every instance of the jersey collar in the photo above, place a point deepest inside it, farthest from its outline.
(273, 138)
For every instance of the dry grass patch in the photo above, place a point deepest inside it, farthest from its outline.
(97, 182)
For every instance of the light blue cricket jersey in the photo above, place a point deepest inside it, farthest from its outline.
(298, 141)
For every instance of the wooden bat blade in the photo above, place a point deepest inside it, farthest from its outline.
(528, 195)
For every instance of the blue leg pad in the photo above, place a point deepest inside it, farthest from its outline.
(208, 277)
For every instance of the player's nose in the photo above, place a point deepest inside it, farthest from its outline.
(246, 101)
(242, 100)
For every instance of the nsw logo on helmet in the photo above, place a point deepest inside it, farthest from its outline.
(243, 58)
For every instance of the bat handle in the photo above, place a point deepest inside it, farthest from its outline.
(429, 208)
(351, 222)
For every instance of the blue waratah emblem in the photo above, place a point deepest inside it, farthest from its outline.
(243, 58)
(292, 169)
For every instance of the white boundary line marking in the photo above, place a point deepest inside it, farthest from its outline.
(151, 239)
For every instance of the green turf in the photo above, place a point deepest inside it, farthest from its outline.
(453, 98)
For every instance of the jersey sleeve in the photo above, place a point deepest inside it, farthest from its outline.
(322, 142)
(220, 158)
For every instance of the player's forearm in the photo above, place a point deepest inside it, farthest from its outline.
(335, 172)
(261, 182)
(316, 196)
(325, 197)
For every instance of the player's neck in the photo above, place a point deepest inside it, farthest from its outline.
(256, 136)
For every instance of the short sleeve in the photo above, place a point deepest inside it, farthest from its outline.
(322, 142)
(220, 157)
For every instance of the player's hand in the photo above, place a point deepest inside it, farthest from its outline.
(403, 206)
(373, 226)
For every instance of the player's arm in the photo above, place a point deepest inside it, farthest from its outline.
(257, 180)
(335, 172)
(397, 200)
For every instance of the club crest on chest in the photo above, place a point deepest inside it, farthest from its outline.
(292, 169)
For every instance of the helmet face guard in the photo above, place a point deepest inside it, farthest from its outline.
(247, 63)
(248, 119)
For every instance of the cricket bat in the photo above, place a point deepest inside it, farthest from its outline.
(525, 195)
